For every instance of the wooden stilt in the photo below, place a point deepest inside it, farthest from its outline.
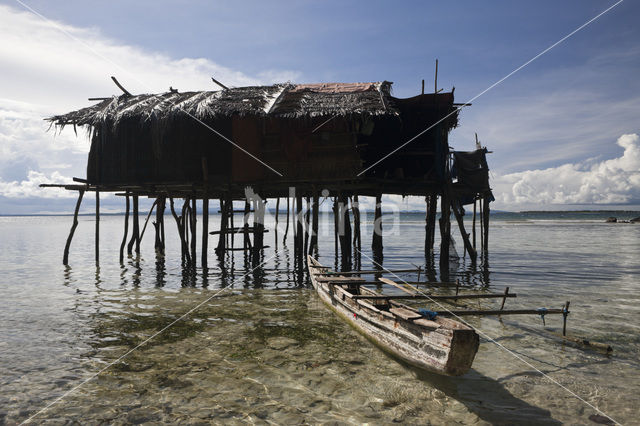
(445, 231)
(146, 222)
(336, 225)
(430, 227)
(245, 226)
(220, 249)
(485, 217)
(298, 250)
(65, 257)
(473, 226)
(205, 233)
(126, 228)
(376, 244)
(345, 229)
(258, 229)
(313, 247)
(97, 225)
(275, 232)
(135, 232)
(232, 236)
(357, 236)
(465, 237)
(180, 225)
(193, 232)
(307, 226)
(481, 224)
(286, 229)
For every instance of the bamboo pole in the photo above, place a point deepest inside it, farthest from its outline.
(65, 257)
(430, 227)
(126, 228)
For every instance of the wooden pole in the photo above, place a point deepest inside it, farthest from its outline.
(445, 230)
(485, 217)
(245, 232)
(481, 224)
(180, 225)
(336, 225)
(223, 228)
(144, 228)
(205, 232)
(345, 240)
(298, 231)
(435, 89)
(430, 227)
(97, 225)
(126, 228)
(313, 247)
(65, 257)
(286, 229)
(377, 225)
(135, 233)
(473, 227)
(307, 226)
(193, 232)
(276, 227)
(357, 237)
(465, 237)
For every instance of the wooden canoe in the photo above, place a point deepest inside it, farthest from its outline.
(441, 345)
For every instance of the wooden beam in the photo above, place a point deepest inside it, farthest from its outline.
(125, 91)
(432, 296)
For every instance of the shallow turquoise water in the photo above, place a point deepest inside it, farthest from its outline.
(266, 350)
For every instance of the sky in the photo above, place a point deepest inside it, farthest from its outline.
(563, 130)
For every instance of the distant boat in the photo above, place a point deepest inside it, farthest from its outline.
(435, 344)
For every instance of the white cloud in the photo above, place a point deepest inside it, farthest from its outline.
(29, 187)
(51, 68)
(614, 181)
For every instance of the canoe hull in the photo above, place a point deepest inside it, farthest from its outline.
(442, 346)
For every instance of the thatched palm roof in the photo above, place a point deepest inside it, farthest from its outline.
(279, 100)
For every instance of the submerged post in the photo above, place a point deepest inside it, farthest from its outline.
(376, 244)
(126, 229)
(205, 232)
(313, 246)
(430, 227)
(485, 218)
(286, 229)
(135, 233)
(445, 231)
(194, 215)
(97, 225)
(298, 231)
(65, 257)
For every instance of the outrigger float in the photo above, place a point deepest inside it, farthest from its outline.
(423, 338)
